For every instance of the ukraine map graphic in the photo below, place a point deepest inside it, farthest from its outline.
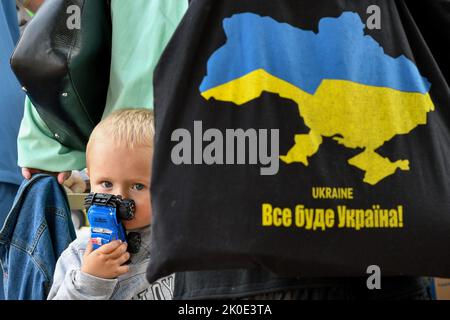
(344, 84)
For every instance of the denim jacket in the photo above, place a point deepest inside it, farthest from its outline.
(36, 231)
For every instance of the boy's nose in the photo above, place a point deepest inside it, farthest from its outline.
(123, 192)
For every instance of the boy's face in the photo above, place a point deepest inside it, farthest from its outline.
(120, 170)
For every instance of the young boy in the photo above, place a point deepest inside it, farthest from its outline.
(118, 157)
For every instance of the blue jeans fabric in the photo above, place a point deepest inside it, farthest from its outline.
(7, 193)
(37, 229)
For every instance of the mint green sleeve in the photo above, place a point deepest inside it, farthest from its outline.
(141, 32)
(38, 149)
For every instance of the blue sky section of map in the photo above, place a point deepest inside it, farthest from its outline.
(340, 50)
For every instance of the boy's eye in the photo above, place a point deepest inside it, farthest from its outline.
(139, 186)
(107, 184)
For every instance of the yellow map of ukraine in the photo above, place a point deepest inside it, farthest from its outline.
(345, 86)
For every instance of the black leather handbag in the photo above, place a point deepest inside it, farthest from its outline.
(63, 65)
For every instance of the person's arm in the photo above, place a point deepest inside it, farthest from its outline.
(134, 58)
(39, 151)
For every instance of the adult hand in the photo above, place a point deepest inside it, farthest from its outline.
(27, 173)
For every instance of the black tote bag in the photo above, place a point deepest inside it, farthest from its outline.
(309, 138)
(63, 65)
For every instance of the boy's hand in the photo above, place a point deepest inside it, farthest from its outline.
(107, 261)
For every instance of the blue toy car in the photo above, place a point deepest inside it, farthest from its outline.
(105, 215)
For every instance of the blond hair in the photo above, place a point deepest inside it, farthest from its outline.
(130, 127)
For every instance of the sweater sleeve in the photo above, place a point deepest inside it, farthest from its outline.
(70, 283)
(38, 149)
(134, 57)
